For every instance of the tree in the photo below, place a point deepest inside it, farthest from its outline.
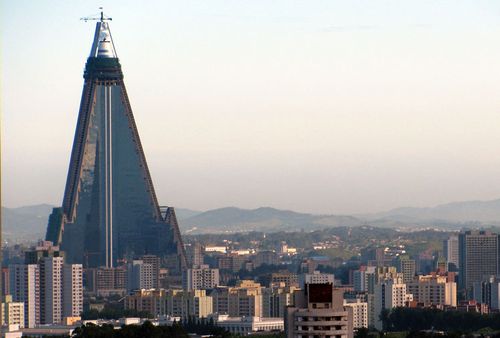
(362, 333)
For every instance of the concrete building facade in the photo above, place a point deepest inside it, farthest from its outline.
(50, 289)
(432, 290)
(408, 268)
(275, 299)
(319, 312)
(488, 292)
(200, 278)
(316, 277)
(139, 275)
(359, 312)
(72, 290)
(245, 299)
(389, 294)
(25, 287)
(247, 325)
(12, 312)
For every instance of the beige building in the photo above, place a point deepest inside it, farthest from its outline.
(319, 312)
(289, 278)
(111, 281)
(433, 290)
(185, 304)
(12, 312)
(245, 299)
(104, 282)
(383, 273)
(151, 301)
(177, 303)
(359, 312)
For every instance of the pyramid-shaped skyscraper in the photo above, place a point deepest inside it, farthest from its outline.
(110, 211)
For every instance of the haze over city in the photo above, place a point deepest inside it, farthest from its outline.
(313, 106)
(274, 169)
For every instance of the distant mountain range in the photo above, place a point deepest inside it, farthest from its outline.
(29, 223)
(467, 212)
(25, 223)
(262, 219)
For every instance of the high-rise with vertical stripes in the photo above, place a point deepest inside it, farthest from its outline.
(110, 211)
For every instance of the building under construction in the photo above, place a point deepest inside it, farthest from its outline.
(110, 211)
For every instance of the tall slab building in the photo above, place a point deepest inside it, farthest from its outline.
(478, 258)
(110, 211)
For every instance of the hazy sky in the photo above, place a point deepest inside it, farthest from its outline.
(317, 106)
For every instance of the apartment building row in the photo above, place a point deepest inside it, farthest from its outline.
(49, 289)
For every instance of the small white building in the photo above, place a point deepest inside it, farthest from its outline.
(248, 325)
(316, 278)
(11, 331)
(220, 249)
(130, 321)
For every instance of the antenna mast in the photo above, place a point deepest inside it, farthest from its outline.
(101, 18)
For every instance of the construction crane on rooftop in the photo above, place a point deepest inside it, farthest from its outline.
(101, 18)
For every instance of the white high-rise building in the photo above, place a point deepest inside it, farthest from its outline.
(25, 287)
(200, 278)
(51, 289)
(450, 249)
(72, 290)
(389, 294)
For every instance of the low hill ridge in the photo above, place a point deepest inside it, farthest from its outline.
(29, 222)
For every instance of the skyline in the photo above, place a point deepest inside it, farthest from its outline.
(360, 120)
